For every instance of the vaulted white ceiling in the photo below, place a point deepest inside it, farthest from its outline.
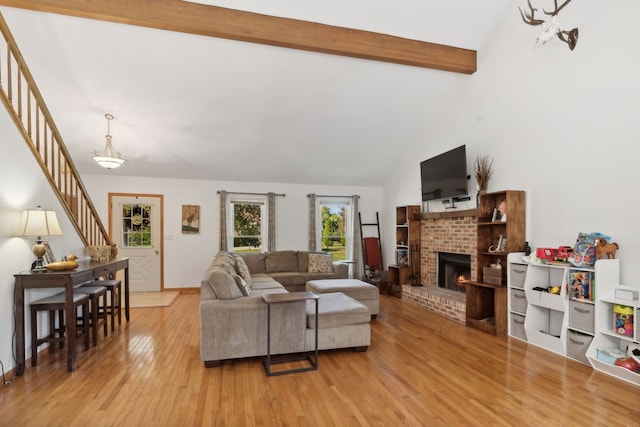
(196, 107)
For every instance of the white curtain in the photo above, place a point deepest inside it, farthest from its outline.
(224, 245)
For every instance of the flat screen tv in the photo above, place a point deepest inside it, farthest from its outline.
(445, 176)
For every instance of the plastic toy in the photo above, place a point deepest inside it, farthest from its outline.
(605, 250)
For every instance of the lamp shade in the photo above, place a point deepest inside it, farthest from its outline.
(37, 223)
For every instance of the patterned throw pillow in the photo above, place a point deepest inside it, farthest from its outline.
(242, 269)
(320, 263)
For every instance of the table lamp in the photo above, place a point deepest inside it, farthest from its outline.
(38, 223)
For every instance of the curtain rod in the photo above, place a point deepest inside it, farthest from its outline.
(341, 197)
(252, 194)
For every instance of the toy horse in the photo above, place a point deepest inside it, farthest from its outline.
(605, 250)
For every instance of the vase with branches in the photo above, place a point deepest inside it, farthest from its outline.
(483, 170)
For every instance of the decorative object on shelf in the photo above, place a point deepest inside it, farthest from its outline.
(109, 159)
(402, 258)
(527, 249)
(605, 249)
(502, 209)
(584, 251)
(48, 255)
(62, 265)
(38, 223)
(482, 170)
(502, 244)
(98, 252)
(550, 28)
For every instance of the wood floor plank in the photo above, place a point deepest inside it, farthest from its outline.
(421, 369)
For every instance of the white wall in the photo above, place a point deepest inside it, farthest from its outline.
(561, 125)
(186, 256)
(23, 186)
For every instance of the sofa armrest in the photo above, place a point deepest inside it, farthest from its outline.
(341, 269)
(237, 328)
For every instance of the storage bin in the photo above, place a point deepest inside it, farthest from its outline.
(518, 301)
(517, 326)
(577, 346)
(492, 276)
(517, 274)
(581, 316)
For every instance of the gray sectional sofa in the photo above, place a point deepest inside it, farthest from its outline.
(291, 268)
(233, 314)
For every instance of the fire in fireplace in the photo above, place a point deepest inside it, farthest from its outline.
(454, 271)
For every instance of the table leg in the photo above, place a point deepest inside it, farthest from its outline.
(70, 327)
(126, 293)
(18, 307)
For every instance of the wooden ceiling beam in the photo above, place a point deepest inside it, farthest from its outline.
(213, 21)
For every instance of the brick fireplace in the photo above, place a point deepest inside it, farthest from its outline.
(447, 232)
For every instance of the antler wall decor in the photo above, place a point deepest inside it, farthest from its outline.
(550, 28)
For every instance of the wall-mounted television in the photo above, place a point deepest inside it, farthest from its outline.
(445, 176)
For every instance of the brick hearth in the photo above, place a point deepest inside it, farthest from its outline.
(454, 232)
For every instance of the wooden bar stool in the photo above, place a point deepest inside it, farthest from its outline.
(114, 289)
(52, 304)
(97, 310)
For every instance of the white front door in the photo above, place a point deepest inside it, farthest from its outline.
(136, 227)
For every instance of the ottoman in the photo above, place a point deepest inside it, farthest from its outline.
(364, 292)
(343, 322)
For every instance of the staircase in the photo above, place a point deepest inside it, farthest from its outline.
(29, 112)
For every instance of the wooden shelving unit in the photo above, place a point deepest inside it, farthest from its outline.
(407, 248)
(486, 301)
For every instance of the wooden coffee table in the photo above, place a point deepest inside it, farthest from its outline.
(282, 299)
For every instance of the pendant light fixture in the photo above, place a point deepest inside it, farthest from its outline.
(109, 159)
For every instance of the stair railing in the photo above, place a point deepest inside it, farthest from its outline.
(27, 108)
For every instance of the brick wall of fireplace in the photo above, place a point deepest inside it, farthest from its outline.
(453, 232)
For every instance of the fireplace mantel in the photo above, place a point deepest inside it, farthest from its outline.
(449, 231)
(450, 214)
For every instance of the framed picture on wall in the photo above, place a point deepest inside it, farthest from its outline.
(190, 219)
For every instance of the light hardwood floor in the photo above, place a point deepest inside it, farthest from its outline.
(421, 369)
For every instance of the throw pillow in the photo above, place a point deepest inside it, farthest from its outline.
(242, 269)
(223, 284)
(320, 263)
(242, 285)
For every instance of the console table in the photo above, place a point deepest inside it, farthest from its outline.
(86, 271)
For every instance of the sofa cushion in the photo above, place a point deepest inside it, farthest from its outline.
(223, 284)
(320, 263)
(224, 260)
(281, 261)
(242, 269)
(256, 262)
(336, 310)
(288, 278)
(242, 285)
